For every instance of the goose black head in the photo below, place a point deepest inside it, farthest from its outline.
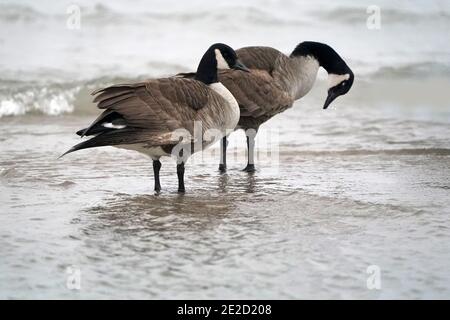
(218, 56)
(340, 76)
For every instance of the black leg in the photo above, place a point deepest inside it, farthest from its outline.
(180, 174)
(156, 168)
(250, 153)
(223, 154)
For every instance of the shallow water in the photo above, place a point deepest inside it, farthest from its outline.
(374, 192)
(363, 184)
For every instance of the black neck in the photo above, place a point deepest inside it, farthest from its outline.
(324, 54)
(207, 68)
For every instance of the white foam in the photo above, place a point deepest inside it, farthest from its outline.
(49, 102)
(11, 108)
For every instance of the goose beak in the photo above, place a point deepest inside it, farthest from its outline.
(240, 66)
(330, 98)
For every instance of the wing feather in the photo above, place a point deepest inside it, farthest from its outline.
(256, 92)
(150, 111)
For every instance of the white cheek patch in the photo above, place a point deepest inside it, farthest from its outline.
(221, 62)
(335, 79)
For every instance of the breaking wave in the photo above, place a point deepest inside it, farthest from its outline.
(101, 14)
(54, 87)
(358, 15)
(18, 98)
(250, 12)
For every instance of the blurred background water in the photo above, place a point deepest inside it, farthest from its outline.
(364, 183)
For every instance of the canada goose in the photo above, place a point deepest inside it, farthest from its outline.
(275, 81)
(144, 116)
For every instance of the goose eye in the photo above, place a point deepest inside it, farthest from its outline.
(343, 83)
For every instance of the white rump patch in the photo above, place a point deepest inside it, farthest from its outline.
(335, 79)
(113, 126)
(221, 62)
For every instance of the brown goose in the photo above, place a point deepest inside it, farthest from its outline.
(145, 116)
(275, 81)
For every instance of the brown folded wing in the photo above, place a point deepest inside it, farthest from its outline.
(160, 105)
(256, 92)
(149, 111)
(261, 58)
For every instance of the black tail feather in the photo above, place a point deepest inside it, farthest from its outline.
(81, 132)
(83, 145)
(94, 131)
(100, 140)
(108, 138)
(97, 126)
